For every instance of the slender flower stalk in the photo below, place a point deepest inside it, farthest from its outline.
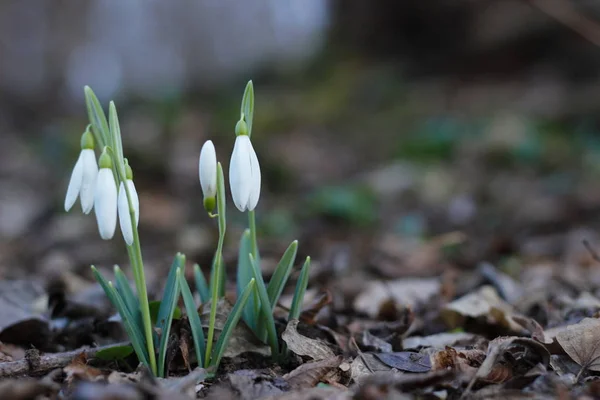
(244, 171)
(105, 198)
(83, 177)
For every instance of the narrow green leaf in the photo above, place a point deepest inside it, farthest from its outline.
(230, 324)
(115, 134)
(167, 309)
(281, 274)
(201, 285)
(114, 353)
(129, 298)
(265, 307)
(97, 117)
(135, 335)
(194, 320)
(244, 275)
(301, 285)
(247, 108)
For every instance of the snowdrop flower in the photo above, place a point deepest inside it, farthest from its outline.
(105, 198)
(244, 171)
(123, 206)
(83, 177)
(207, 170)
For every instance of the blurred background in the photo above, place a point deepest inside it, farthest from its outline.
(395, 137)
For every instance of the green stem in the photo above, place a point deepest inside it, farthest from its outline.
(137, 263)
(252, 226)
(215, 286)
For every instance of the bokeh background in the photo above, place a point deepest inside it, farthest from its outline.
(395, 137)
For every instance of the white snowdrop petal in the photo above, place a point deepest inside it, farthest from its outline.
(238, 174)
(124, 217)
(105, 203)
(88, 182)
(255, 179)
(135, 200)
(207, 169)
(74, 185)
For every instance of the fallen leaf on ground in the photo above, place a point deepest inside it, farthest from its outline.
(304, 346)
(309, 374)
(582, 343)
(438, 341)
(406, 292)
(406, 361)
(79, 370)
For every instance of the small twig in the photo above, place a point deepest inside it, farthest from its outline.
(39, 364)
(593, 252)
(361, 355)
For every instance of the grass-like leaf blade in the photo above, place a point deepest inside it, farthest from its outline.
(194, 320)
(201, 284)
(265, 308)
(247, 108)
(135, 335)
(97, 117)
(167, 308)
(244, 275)
(230, 324)
(129, 298)
(301, 285)
(281, 274)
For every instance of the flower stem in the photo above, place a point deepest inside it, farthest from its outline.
(137, 263)
(252, 226)
(216, 284)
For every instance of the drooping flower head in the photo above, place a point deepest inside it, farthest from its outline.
(83, 177)
(244, 171)
(123, 205)
(207, 170)
(105, 198)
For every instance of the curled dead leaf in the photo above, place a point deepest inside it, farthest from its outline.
(304, 346)
(309, 374)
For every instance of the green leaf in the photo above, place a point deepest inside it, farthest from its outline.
(301, 285)
(281, 274)
(135, 335)
(129, 298)
(247, 108)
(230, 324)
(201, 285)
(244, 275)
(114, 353)
(97, 117)
(115, 134)
(155, 306)
(194, 320)
(167, 309)
(265, 307)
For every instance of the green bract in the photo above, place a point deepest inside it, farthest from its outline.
(148, 326)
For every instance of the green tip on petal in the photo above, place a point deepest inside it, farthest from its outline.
(87, 140)
(210, 203)
(241, 128)
(105, 160)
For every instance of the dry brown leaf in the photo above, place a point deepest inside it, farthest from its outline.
(79, 370)
(438, 341)
(484, 303)
(405, 292)
(465, 361)
(309, 374)
(582, 343)
(304, 346)
(536, 330)
(364, 365)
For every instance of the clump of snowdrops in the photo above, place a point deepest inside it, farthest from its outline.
(106, 185)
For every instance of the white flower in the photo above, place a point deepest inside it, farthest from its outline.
(244, 174)
(123, 208)
(105, 203)
(207, 170)
(83, 181)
